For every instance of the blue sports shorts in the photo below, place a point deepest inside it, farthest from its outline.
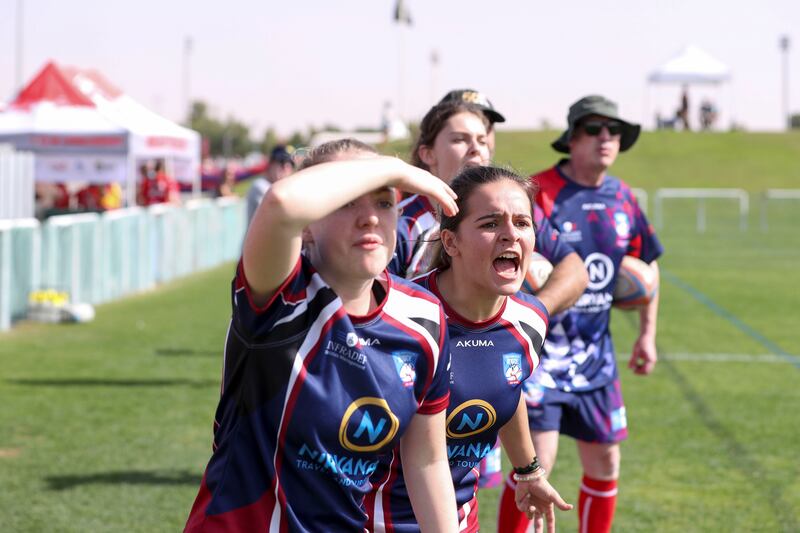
(591, 416)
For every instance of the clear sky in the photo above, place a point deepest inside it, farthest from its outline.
(292, 64)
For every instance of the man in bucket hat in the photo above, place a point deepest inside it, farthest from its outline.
(576, 389)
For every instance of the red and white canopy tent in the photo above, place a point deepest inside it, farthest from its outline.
(82, 128)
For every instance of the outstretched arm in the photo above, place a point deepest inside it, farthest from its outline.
(273, 241)
(427, 473)
(644, 354)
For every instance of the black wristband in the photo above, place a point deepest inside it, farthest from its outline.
(528, 469)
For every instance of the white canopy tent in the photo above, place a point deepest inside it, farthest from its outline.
(690, 66)
(81, 128)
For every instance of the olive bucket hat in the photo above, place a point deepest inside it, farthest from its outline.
(596, 105)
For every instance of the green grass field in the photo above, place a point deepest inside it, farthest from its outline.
(107, 425)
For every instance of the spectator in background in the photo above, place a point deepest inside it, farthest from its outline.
(157, 187)
(281, 164)
(708, 114)
(478, 99)
(226, 183)
(100, 197)
(52, 198)
(683, 111)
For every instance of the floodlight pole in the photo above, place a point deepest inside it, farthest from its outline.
(784, 46)
(187, 52)
(401, 97)
(434, 74)
(18, 66)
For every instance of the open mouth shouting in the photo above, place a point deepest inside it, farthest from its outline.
(507, 264)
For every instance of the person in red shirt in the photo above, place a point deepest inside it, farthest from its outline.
(158, 187)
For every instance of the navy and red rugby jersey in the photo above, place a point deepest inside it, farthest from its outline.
(489, 362)
(310, 397)
(418, 227)
(602, 224)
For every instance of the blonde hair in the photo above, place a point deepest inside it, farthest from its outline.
(329, 150)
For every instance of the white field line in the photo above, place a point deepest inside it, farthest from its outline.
(721, 357)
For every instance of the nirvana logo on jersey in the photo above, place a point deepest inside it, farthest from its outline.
(470, 418)
(600, 269)
(570, 232)
(468, 455)
(367, 425)
(406, 362)
(342, 466)
(512, 368)
(345, 347)
(601, 272)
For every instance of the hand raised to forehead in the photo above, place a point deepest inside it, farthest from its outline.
(418, 181)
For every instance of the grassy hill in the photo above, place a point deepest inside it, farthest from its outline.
(750, 161)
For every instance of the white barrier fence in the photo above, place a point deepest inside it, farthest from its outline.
(97, 258)
(16, 183)
(101, 257)
(701, 195)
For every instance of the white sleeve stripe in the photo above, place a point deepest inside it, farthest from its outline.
(378, 519)
(407, 201)
(224, 359)
(300, 307)
(463, 525)
(402, 307)
(312, 337)
(421, 248)
(519, 313)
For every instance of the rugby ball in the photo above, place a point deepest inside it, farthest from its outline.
(539, 271)
(636, 284)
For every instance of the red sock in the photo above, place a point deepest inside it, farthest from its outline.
(596, 505)
(509, 519)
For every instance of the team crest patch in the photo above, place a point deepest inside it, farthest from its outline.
(406, 365)
(622, 224)
(512, 368)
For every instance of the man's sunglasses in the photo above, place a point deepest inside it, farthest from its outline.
(593, 127)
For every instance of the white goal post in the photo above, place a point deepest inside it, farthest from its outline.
(701, 195)
(775, 194)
